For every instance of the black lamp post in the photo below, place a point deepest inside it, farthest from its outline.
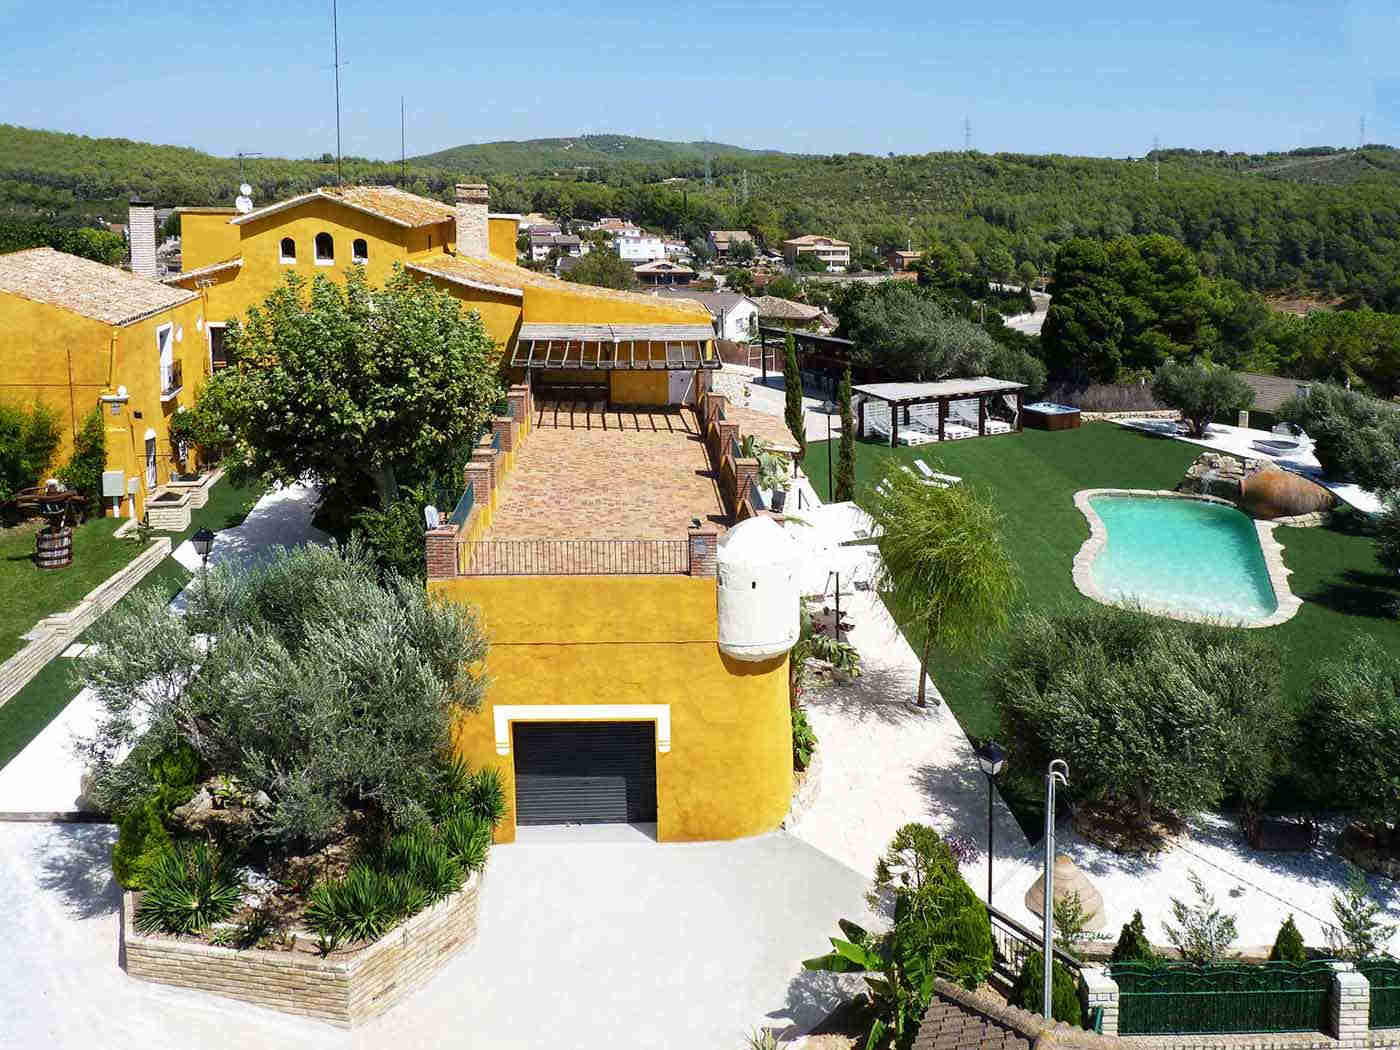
(203, 543)
(991, 758)
(829, 409)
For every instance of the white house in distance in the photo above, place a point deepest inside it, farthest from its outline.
(569, 245)
(735, 316)
(640, 247)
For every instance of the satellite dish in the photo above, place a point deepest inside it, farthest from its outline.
(243, 203)
(121, 392)
(246, 190)
(431, 516)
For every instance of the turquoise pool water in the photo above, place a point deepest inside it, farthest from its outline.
(1202, 559)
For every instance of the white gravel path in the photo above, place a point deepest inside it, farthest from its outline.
(45, 776)
(885, 763)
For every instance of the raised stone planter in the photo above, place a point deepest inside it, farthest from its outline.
(198, 488)
(169, 511)
(346, 989)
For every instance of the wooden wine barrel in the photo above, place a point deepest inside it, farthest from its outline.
(53, 548)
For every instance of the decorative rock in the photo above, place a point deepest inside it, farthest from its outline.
(196, 811)
(1068, 880)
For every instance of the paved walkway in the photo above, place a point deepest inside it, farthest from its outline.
(671, 947)
(45, 776)
(885, 763)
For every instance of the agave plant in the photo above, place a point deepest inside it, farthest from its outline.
(362, 906)
(468, 837)
(427, 861)
(487, 796)
(188, 889)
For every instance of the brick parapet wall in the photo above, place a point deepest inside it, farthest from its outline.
(1349, 1005)
(344, 990)
(505, 430)
(52, 634)
(478, 475)
(441, 552)
(703, 544)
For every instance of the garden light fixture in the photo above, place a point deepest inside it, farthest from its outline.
(991, 758)
(203, 541)
(829, 409)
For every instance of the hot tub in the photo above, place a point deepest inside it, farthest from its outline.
(1046, 415)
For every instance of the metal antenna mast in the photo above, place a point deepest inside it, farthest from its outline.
(1361, 142)
(967, 134)
(335, 36)
(403, 148)
(1156, 160)
(240, 155)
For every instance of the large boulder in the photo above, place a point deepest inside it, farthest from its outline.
(1273, 493)
(1213, 474)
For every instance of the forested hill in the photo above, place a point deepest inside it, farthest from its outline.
(1320, 221)
(586, 152)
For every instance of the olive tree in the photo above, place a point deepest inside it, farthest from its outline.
(1152, 715)
(944, 572)
(305, 678)
(1356, 437)
(1354, 702)
(1201, 392)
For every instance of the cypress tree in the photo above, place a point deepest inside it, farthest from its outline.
(1133, 945)
(846, 459)
(1288, 945)
(792, 386)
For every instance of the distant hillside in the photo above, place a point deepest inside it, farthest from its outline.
(1316, 222)
(539, 156)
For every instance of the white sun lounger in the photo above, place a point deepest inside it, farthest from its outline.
(934, 476)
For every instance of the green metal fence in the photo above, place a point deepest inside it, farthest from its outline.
(1180, 998)
(1384, 975)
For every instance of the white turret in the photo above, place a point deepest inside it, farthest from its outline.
(757, 565)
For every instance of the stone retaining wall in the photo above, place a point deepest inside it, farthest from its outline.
(53, 633)
(345, 989)
(1105, 417)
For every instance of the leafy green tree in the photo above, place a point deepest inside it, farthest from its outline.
(1202, 933)
(605, 269)
(783, 287)
(83, 471)
(846, 452)
(807, 262)
(28, 440)
(907, 333)
(739, 280)
(999, 264)
(1133, 945)
(323, 687)
(1152, 715)
(354, 383)
(1029, 273)
(1358, 932)
(1201, 392)
(1083, 331)
(1356, 696)
(1356, 437)
(742, 252)
(1288, 945)
(939, 267)
(944, 572)
(793, 414)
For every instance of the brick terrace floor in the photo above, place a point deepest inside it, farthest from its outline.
(588, 472)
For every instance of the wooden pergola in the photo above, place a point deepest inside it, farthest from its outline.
(902, 396)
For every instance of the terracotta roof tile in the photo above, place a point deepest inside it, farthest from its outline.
(91, 289)
(386, 202)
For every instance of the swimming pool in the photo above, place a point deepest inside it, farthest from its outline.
(1186, 558)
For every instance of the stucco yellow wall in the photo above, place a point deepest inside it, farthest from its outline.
(501, 237)
(572, 304)
(207, 237)
(500, 313)
(639, 640)
(68, 361)
(639, 388)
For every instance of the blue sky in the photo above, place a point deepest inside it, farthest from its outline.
(810, 76)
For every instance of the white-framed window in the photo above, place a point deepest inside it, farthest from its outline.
(359, 250)
(165, 349)
(287, 251)
(325, 249)
(218, 355)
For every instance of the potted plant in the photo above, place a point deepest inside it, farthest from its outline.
(773, 476)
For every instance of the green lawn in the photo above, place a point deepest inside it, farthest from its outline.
(48, 693)
(32, 593)
(1033, 476)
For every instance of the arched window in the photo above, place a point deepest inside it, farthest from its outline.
(288, 250)
(325, 249)
(359, 251)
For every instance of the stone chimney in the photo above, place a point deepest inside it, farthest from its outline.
(472, 237)
(141, 236)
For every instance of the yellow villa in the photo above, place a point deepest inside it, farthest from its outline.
(78, 335)
(589, 530)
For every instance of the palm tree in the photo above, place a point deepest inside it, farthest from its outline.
(944, 573)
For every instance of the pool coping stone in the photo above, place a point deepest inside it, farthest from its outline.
(1288, 602)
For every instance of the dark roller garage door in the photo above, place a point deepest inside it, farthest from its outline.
(585, 772)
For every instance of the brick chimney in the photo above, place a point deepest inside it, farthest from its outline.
(141, 236)
(472, 239)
